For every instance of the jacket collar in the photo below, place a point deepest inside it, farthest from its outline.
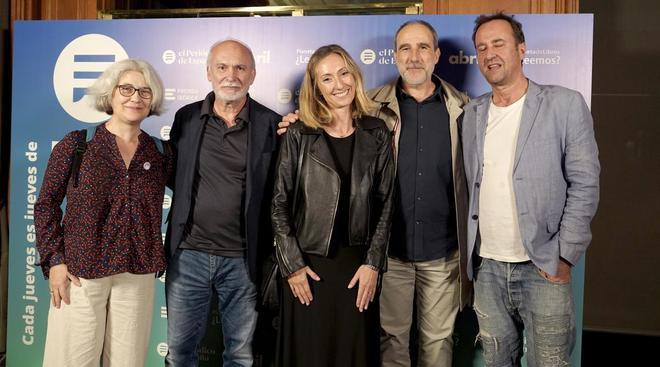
(207, 104)
(360, 123)
(366, 148)
(258, 133)
(530, 110)
(364, 151)
(386, 96)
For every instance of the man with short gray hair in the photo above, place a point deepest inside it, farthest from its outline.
(426, 264)
(219, 228)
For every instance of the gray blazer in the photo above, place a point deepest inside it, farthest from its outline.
(555, 173)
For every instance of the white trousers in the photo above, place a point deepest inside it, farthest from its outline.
(108, 318)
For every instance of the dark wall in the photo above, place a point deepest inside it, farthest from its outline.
(4, 165)
(4, 99)
(622, 290)
(183, 4)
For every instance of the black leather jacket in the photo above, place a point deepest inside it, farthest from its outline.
(307, 228)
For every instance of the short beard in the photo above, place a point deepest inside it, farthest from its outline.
(413, 83)
(226, 98)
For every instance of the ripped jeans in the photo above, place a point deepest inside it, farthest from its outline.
(512, 297)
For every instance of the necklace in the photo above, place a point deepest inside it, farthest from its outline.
(338, 133)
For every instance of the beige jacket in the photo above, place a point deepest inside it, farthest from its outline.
(385, 96)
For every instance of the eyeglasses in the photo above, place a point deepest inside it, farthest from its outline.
(128, 90)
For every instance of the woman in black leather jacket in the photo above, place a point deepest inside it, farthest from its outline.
(331, 214)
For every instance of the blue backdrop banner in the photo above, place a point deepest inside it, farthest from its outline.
(55, 61)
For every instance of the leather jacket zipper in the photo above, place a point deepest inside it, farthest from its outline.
(332, 221)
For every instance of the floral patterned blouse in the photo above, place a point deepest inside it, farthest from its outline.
(112, 222)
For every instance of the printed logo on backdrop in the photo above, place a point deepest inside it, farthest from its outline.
(181, 94)
(162, 349)
(368, 56)
(188, 56)
(165, 132)
(532, 57)
(262, 57)
(169, 57)
(284, 95)
(462, 59)
(383, 56)
(185, 56)
(542, 57)
(79, 64)
(303, 55)
(198, 59)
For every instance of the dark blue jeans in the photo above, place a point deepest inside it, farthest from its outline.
(191, 278)
(512, 297)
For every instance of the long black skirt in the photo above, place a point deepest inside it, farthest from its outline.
(331, 331)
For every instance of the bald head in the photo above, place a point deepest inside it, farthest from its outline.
(230, 69)
(230, 44)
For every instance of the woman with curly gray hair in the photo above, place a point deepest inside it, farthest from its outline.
(101, 257)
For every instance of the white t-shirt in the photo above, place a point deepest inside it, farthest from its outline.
(498, 216)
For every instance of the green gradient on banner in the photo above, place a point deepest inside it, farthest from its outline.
(28, 293)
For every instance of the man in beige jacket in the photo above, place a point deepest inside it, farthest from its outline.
(427, 253)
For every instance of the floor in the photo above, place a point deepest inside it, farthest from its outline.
(614, 349)
(603, 349)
